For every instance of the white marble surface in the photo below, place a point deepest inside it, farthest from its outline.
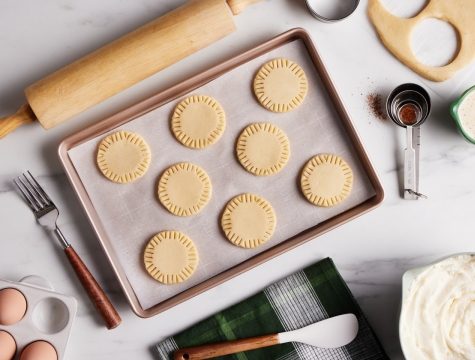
(371, 252)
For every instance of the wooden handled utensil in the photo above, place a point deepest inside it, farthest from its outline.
(46, 214)
(331, 333)
(124, 62)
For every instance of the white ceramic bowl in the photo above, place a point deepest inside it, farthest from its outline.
(407, 279)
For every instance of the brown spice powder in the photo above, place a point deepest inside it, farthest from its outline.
(409, 114)
(375, 104)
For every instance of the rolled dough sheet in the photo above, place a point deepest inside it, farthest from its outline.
(396, 34)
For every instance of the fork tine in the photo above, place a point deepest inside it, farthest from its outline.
(26, 197)
(38, 189)
(32, 196)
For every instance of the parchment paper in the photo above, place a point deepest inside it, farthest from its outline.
(132, 214)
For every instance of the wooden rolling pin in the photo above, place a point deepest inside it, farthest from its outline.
(124, 62)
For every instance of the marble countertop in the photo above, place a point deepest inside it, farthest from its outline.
(371, 252)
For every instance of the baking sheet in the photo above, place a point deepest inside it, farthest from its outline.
(131, 214)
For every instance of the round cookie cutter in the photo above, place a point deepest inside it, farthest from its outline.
(345, 14)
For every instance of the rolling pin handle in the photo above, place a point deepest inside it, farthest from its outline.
(23, 116)
(237, 6)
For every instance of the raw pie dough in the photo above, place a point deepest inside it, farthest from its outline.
(396, 34)
(198, 121)
(326, 180)
(171, 257)
(248, 221)
(281, 85)
(263, 149)
(184, 189)
(123, 157)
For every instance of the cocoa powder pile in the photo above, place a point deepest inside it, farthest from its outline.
(375, 104)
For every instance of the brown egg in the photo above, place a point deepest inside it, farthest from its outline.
(12, 306)
(39, 350)
(7, 346)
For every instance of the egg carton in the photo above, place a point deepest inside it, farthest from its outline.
(49, 316)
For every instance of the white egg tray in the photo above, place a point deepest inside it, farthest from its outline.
(49, 316)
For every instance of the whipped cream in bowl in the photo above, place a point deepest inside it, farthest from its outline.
(437, 319)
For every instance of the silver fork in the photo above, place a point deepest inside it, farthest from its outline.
(47, 213)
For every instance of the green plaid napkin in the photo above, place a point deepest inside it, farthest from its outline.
(310, 295)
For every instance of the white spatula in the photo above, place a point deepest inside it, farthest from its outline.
(331, 333)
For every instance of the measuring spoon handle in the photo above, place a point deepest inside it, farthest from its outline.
(409, 166)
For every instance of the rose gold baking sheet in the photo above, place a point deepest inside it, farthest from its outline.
(124, 230)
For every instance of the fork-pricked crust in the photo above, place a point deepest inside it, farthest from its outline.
(248, 221)
(198, 121)
(281, 85)
(123, 157)
(326, 180)
(171, 257)
(184, 189)
(263, 149)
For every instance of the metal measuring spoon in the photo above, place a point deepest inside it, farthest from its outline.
(409, 106)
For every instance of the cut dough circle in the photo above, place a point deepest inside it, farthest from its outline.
(198, 121)
(263, 149)
(281, 85)
(171, 257)
(326, 180)
(123, 157)
(184, 189)
(248, 221)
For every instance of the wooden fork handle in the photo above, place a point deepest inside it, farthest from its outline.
(96, 295)
(225, 348)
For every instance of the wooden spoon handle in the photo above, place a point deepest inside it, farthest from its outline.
(225, 348)
(96, 295)
(23, 116)
(237, 6)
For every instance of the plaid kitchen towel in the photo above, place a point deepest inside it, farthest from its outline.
(310, 295)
